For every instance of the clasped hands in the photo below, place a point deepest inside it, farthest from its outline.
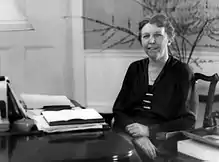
(137, 130)
(140, 133)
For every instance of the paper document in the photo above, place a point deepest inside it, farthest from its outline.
(34, 101)
(42, 125)
(31, 113)
(65, 115)
(198, 150)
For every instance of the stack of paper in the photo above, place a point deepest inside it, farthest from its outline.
(198, 150)
(42, 125)
(72, 116)
(69, 120)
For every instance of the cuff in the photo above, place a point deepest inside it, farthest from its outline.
(153, 129)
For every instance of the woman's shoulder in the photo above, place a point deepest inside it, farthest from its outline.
(181, 68)
(179, 65)
(141, 62)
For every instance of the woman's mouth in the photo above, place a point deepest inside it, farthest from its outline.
(152, 48)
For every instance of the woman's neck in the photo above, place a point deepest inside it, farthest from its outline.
(159, 62)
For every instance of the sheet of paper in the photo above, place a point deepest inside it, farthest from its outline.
(65, 115)
(34, 101)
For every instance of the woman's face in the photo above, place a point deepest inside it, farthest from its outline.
(154, 41)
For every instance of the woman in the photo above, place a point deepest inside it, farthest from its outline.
(153, 97)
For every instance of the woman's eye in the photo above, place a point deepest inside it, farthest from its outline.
(146, 36)
(157, 35)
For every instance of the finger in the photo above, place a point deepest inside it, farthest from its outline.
(148, 152)
(153, 148)
(132, 129)
(148, 148)
(135, 134)
(153, 151)
(144, 148)
(131, 125)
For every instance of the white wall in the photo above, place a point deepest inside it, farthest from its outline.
(38, 61)
(104, 75)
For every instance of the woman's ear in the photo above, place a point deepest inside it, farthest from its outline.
(169, 42)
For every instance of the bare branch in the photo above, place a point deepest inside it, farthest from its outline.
(117, 42)
(208, 46)
(177, 46)
(109, 37)
(132, 42)
(213, 38)
(196, 62)
(196, 41)
(182, 49)
(215, 33)
(127, 41)
(185, 39)
(144, 5)
(106, 31)
(97, 30)
(125, 30)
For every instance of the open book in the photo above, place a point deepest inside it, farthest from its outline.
(72, 116)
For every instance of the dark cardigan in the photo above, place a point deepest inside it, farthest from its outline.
(169, 110)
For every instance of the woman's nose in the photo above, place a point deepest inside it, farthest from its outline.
(151, 40)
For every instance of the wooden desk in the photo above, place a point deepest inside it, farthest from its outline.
(93, 146)
(96, 146)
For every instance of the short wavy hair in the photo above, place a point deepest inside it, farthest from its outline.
(160, 20)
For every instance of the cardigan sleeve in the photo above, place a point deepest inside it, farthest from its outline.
(122, 103)
(185, 118)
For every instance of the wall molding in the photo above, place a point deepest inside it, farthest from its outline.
(137, 53)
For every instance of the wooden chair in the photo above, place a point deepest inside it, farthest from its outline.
(209, 117)
(194, 98)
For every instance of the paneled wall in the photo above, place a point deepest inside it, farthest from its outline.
(37, 61)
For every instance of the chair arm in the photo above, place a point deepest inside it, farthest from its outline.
(112, 122)
(166, 135)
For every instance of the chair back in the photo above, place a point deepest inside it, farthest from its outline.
(213, 79)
